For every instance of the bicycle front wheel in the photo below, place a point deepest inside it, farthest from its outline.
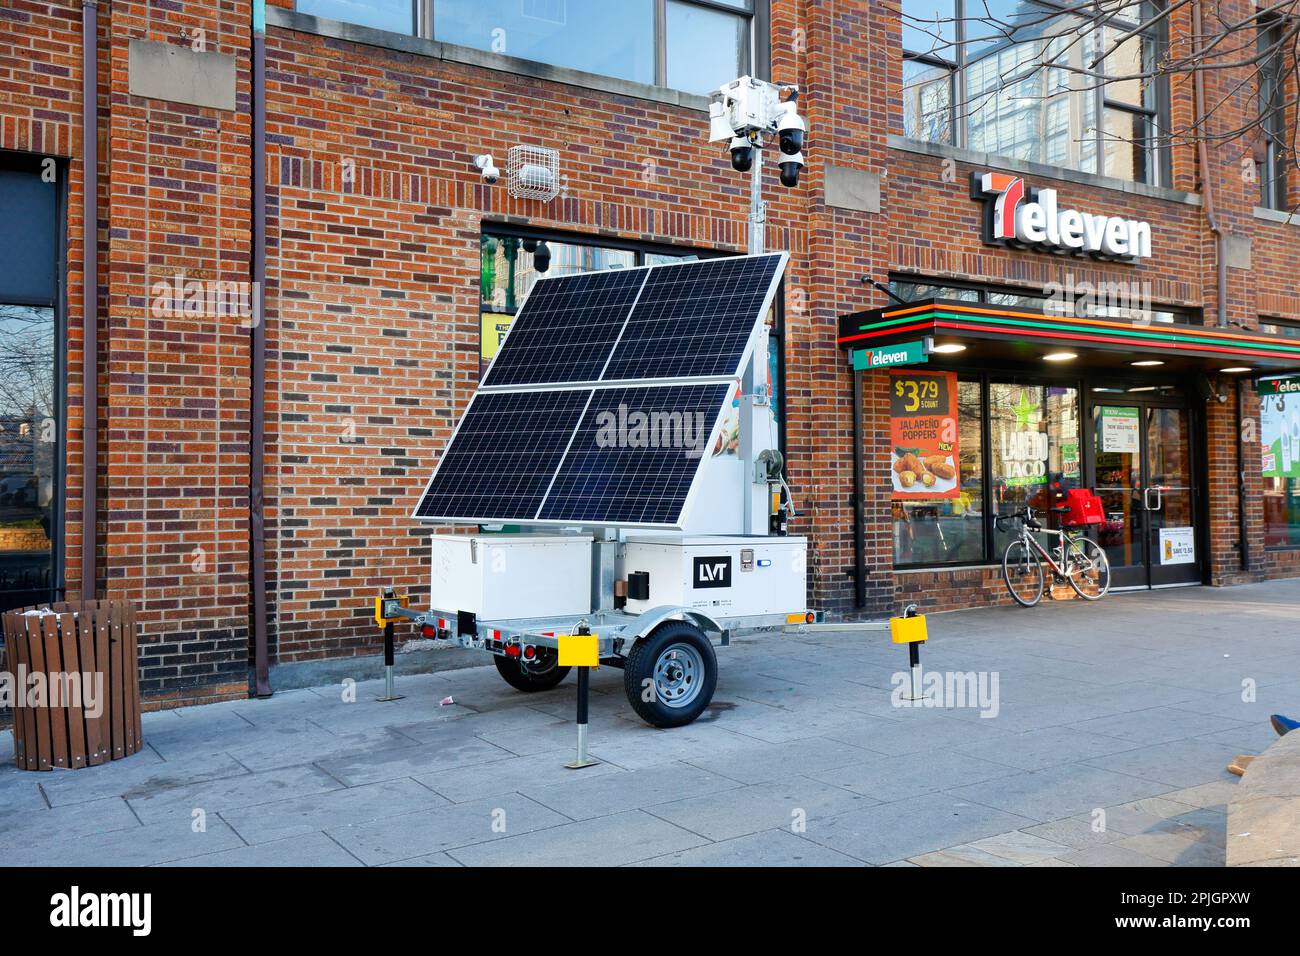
(1088, 569)
(1023, 572)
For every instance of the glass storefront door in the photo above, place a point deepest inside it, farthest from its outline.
(1142, 461)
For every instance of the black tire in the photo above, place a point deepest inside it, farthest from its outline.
(686, 694)
(543, 675)
(1023, 572)
(1090, 568)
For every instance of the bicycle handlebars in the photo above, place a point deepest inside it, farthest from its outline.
(1025, 514)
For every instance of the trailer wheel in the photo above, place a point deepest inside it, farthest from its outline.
(670, 675)
(543, 675)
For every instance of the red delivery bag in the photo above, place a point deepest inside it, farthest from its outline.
(1085, 508)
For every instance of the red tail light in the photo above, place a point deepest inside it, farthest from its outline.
(512, 650)
(429, 630)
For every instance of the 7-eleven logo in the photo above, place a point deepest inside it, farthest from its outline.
(1006, 192)
(1018, 216)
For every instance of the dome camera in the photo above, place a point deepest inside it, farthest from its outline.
(489, 170)
(742, 154)
(790, 167)
(790, 130)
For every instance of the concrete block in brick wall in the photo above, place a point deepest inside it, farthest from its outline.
(852, 189)
(165, 71)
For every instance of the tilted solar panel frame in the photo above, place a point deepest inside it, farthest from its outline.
(731, 379)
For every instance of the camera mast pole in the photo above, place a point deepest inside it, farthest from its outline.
(757, 207)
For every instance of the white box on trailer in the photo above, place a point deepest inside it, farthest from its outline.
(502, 576)
(724, 575)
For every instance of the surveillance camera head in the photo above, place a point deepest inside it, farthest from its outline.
(790, 129)
(489, 170)
(790, 169)
(742, 154)
(542, 257)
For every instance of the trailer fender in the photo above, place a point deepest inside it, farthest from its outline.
(652, 618)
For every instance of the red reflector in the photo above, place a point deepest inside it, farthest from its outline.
(512, 650)
(429, 630)
(496, 635)
(442, 623)
(530, 652)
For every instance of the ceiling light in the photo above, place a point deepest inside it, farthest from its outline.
(1236, 368)
(1147, 362)
(1143, 388)
(947, 348)
(1059, 357)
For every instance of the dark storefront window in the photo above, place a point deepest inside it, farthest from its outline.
(949, 529)
(690, 45)
(1009, 77)
(1033, 448)
(1031, 434)
(30, 385)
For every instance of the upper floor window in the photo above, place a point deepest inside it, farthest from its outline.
(689, 45)
(1271, 165)
(1038, 81)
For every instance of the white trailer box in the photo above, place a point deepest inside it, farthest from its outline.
(723, 575)
(502, 576)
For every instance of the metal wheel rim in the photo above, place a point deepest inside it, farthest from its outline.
(678, 675)
(1021, 564)
(1097, 561)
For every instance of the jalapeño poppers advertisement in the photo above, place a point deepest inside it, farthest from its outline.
(923, 432)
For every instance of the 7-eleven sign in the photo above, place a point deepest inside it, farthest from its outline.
(1018, 216)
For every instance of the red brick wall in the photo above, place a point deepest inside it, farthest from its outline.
(372, 324)
(40, 112)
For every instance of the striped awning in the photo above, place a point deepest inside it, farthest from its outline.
(952, 321)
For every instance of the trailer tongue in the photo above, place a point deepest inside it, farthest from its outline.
(626, 427)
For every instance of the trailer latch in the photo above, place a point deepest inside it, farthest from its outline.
(386, 607)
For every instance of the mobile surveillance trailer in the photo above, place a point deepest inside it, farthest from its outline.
(625, 427)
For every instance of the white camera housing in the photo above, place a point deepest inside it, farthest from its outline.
(488, 169)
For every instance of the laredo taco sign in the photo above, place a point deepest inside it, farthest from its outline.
(1017, 215)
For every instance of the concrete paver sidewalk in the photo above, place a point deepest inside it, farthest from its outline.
(1105, 744)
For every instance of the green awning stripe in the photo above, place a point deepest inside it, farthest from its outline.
(1137, 334)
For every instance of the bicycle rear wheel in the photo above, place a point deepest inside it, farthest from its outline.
(1087, 569)
(1023, 571)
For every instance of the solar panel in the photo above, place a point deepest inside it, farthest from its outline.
(694, 319)
(635, 455)
(503, 456)
(555, 436)
(566, 328)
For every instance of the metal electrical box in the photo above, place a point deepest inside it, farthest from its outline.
(511, 575)
(721, 574)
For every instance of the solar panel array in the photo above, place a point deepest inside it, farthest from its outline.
(566, 329)
(555, 433)
(693, 322)
(606, 477)
(679, 320)
(504, 455)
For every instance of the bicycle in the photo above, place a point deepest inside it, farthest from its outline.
(1078, 560)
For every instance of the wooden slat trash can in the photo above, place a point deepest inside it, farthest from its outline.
(95, 717)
